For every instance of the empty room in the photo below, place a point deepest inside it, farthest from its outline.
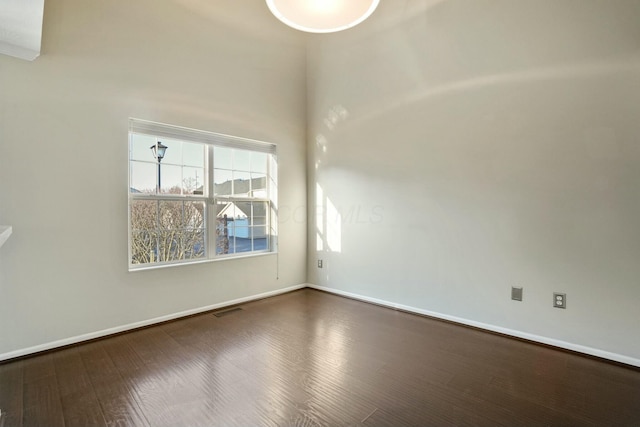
(319, 213)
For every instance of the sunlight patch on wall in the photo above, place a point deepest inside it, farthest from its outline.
(334, 228)
(328, 223)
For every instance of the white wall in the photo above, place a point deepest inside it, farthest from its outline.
(479, 145)
(220, 65)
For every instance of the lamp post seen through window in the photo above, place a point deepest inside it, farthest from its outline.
(158, 149)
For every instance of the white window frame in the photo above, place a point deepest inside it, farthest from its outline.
(210, 140)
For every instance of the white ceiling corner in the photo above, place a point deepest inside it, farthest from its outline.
(21, 28)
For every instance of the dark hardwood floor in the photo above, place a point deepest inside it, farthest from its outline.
(308, 358)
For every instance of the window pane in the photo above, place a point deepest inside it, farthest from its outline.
(171, 179)
(241, 227)
(242, 160)
(241, 183)
(259, 162)
(144, 221)
(223, 223)
(242, 212)
(173, 153)
(258, 185)
(143, 177)
(220, 208)
(197, 247)
(239, 231)
(170, 215)
(194, 214)
(222, 158)
(144, 215)
(166, 246)
(222, 180)
(242, 239)
(139, 149)
(193, 154)
(144, 247)
(259, 213)
(180, 244)
(192, 180)
(260, 238)
(181, 230)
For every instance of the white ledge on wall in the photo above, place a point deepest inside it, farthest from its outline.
(21, 28)
(18, 51)
(5, 232)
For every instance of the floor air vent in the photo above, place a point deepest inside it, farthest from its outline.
(227, 312)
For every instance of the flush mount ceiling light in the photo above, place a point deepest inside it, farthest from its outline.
(322, 16)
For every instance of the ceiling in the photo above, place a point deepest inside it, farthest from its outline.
(21, 20)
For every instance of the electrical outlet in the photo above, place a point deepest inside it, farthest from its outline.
(319, 263)
(516, 294)
(559, 300)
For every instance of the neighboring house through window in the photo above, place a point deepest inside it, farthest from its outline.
(196, 195)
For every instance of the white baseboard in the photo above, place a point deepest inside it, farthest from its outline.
(135, 325)
(518, 334)
(530, 337)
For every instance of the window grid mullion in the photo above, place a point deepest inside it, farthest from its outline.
(210, 219)
(157, 233)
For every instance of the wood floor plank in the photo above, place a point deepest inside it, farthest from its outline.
(124, 358)
(308, 358)
(119, 403)
(41, 395)
(11, 392)
(38, 367)
(80, 404)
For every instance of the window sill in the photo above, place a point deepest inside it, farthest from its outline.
(199, 261)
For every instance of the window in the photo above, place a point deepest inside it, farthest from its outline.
(196, 195)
